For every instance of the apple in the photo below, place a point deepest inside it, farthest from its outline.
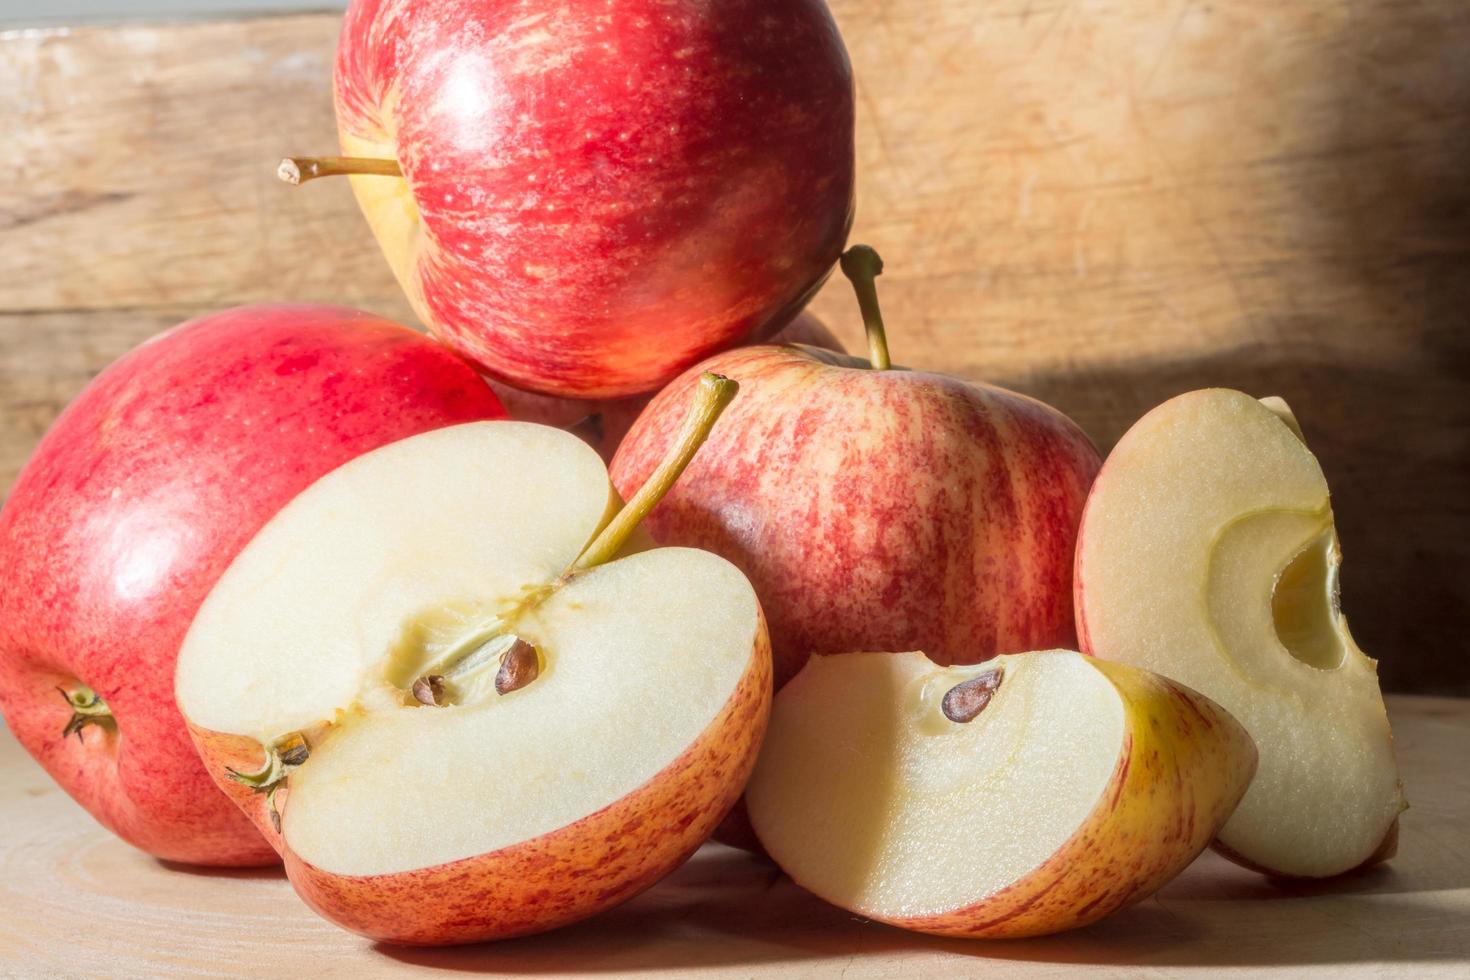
(585, 199)
(603, 424)
(877, 508)
(133, 504)
(1208, 553)
(458, 719)
(1031, 794)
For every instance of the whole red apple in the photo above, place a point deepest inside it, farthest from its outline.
(593, 196)
(603, 424)
(134, 503)
(877, 508)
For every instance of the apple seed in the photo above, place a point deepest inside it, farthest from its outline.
(964, 702)
(519, 666)
(429, 690)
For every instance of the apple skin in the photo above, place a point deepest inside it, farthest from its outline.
(569, 874)
(137, 499)
(595, 196)
(877, 510)
(1186, 764)
(604, 424)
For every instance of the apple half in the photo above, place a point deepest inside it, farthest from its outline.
(450, 705)
(1208, 553)
(1026, 795)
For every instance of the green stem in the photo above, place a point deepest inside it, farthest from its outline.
(862, 266)
(298, 170)
(710, 398)
(492, 640)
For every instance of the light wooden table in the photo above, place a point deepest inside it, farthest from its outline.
(76, 902)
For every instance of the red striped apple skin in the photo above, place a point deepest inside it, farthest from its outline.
(615, 417)
(137, 499)
(577, 871)
(599, 195)
(877, 510)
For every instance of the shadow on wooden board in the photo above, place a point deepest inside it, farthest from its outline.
(746, 913)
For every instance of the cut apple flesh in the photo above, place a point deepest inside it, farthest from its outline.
(869, 796)
(1020, 796)
(361, 585)
(1208, 554)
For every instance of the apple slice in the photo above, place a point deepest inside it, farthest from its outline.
(1030, 794)
(475, 724)
(1208, 553)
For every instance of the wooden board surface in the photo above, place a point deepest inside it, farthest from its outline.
(74, 901)
(1101, 202)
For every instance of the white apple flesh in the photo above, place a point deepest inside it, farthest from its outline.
(1208, 553)
(1029, 794)
(471, 811)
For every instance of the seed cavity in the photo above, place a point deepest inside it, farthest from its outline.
(964, 702)
(519, 666)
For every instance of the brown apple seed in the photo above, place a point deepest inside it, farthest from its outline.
(964, 702)
(295, 752)
(429, 690)
(519, 666)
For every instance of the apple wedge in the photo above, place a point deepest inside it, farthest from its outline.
(456, 718)
(1030, 794)
(1208, 553)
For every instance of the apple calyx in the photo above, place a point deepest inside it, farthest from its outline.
(450, 679)
(286, 754)
(87, 708)
(963, 703)
(298, 170)
(862, 265)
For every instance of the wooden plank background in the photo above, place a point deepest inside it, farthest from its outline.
(1101, 202)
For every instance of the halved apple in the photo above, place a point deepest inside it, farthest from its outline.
(1208, 553)
(1022, 796)
(456, 718)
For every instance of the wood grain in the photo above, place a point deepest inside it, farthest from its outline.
(75, 901)
(1101, 203)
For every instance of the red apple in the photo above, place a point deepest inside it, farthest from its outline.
(603, 424)
(878, 509)
(585, 199)
(133, 505)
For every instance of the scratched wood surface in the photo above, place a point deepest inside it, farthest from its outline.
(77, 902)
(1102, 202)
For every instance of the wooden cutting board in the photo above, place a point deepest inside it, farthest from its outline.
(76, 902)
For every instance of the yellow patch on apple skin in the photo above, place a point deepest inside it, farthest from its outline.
(1185, 765)
(389, 207)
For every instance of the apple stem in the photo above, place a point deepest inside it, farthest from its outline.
(493, 641)
(862, 265)
(298, 170)
(710, 398)
(87, 708)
